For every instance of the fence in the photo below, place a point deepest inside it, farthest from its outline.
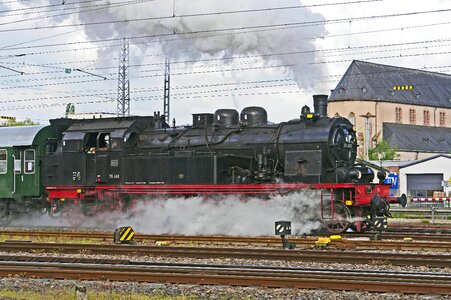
(429, 202)
(432, 212)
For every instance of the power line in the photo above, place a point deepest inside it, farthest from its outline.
(231, 69)
(237, 59)
(158, 96)
(169, 40)
(47, 105)
(111, 4)
(65, 7)
(98, 7)
(305, 23)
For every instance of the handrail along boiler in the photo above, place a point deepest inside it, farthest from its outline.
(112, 162)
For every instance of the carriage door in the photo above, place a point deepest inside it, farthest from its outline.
(29, 179)
(17, 175)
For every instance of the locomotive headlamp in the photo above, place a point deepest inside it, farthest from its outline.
(381, 175)
(309, 116)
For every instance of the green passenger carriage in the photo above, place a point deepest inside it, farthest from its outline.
(21, 150)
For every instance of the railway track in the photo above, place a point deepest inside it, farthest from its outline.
(349, 257)
(288, 277)
(350, 241)
(437, 229)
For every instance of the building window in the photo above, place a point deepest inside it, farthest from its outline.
(442, 118)
(426, 118)
(351, 118)
(412, 116)
(398, 114)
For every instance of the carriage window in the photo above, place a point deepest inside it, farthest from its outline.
(17, 161)
(29, 161)
(3, 161)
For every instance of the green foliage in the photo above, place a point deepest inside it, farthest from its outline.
(70, 109)
(383, 151)
(69, 293)
(26, 122)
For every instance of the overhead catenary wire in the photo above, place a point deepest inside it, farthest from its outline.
(147, 42)
(265, 55)
(304, 23)
(113, 4)
(45, 105)
(99, 7)
(237, 59)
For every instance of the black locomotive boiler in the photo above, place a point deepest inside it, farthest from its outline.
(111, 162)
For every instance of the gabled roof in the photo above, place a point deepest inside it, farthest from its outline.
(376, 82)
(18, 135)
(413, 138)
(424, 160)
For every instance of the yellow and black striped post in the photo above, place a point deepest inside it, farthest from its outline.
(124, 235)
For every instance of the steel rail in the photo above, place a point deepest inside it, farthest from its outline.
(375, 281)
(350, 257)
(416, 228)
(302, 240)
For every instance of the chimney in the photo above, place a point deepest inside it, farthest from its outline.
(320, 104)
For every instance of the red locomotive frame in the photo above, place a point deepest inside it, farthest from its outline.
(346, 204)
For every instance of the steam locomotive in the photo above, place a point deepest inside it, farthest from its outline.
(111, 163)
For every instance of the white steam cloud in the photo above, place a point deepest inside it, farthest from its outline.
(174, 34)
(225, 215)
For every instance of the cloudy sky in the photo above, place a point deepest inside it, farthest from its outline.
(224, 54)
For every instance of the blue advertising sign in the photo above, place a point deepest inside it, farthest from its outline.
(393, 179)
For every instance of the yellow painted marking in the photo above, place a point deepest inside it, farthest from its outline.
(125, 234)
(130, 236)
(162, 243)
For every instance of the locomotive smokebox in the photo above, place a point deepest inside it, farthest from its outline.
(320, 105)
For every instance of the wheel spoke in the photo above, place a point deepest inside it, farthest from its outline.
(340, 220)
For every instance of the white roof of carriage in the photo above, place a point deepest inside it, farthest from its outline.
(18, 135)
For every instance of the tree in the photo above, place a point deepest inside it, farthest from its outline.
(383, 151)
(70, 109)
(13, 122)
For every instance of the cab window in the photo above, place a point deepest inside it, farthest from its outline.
(29, 161)
(104, 140)
(3, 161)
